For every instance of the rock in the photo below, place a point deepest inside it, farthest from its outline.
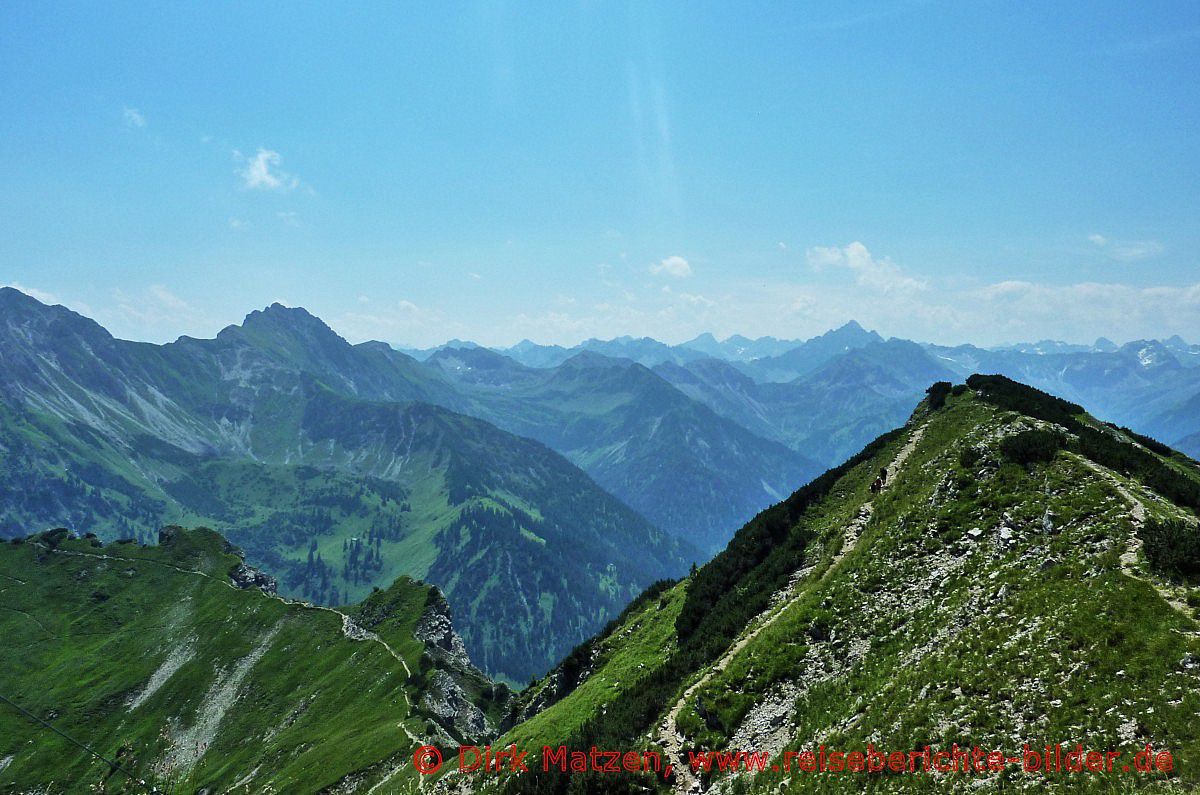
(244, 576)
(436, 629)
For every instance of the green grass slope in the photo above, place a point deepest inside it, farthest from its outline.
(1027, 575)
(151, 657)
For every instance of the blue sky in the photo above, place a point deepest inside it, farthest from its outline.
(943, 171)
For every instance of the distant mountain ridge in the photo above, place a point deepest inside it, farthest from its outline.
(324, 462)
(1152, 385)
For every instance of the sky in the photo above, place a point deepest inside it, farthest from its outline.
(945, 171)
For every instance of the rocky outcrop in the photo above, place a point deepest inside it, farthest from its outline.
(244, 576)
(446, 699)
(448, 695)
(436, 631)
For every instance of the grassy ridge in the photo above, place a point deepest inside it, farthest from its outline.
(995, 596)
(151, 657)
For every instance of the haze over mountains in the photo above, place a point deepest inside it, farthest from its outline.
(779, 389)
(518, 481)
(1024, 574)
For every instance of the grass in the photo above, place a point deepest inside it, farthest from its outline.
(86, 633)
(984, 603)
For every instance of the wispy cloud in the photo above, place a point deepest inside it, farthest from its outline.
(674, 266)
(33, 292)
(401, 322)
(1127, 250)
(693, 299)
(262, 172)
(152, 312)
(876, 273)
(133, 117)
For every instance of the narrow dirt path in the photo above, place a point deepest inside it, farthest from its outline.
(670, 737)
(1133, 545)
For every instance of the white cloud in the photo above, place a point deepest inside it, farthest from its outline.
(1127, 250)
(152, 312)
(1085, 310)
(697, 300)
(33, 292)
(289, 218)
(167, 298)
(876, 273)
(675, 266)
(236, 223)
(1136, 251)
(134, 118)
(262, 172)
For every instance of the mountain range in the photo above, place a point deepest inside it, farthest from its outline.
(323, 460)
(1001, 571)
(827, 396)
(516, 480)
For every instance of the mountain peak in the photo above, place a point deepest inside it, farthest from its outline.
(279, 313)
(292, 332)
(278, 319)
(851, 334)
(27, 311)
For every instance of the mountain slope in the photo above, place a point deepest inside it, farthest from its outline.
(692, 472)
(322, 468)
(811, 354)
(830, 411)
(156, 659)
(1025, 575)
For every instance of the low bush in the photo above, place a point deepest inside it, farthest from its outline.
(1031, 447)
(1172, 548)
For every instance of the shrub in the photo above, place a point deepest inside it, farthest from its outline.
(1031, 447)
(937, 394)
(1015, 396)
(1100, 446)
(1148, 442)
(1172, 548)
